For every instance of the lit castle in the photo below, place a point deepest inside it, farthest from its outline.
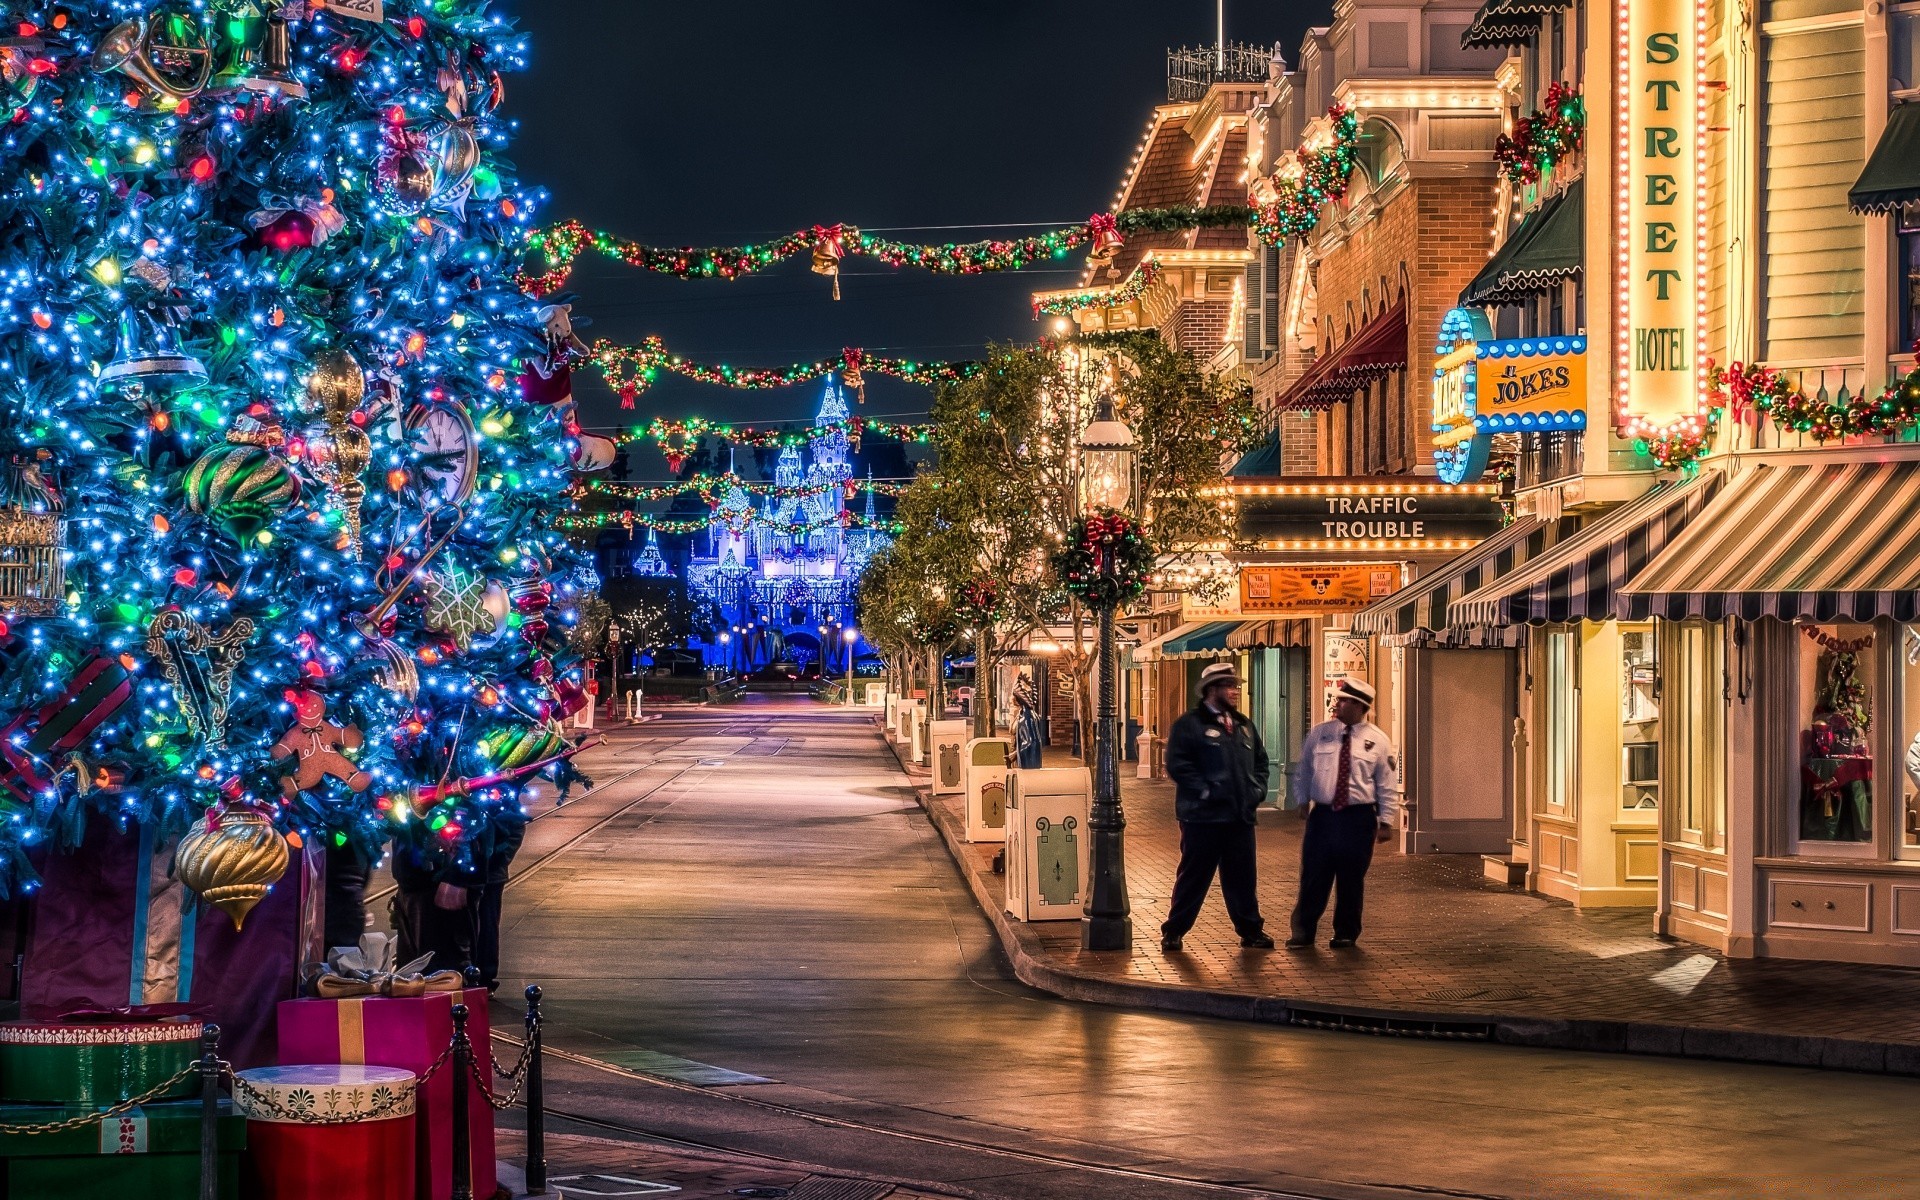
(778, 586)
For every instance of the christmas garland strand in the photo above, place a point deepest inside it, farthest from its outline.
(564, 243)
(669, 432)
(1126, 293)
(1309, 178)
(1750, 389)
(630, 370)
(628, 519)
(1542, 139)
(707, 486)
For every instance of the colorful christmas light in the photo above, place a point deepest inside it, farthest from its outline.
(1543, 138)
(630, 370)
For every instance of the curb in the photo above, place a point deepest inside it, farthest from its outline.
(1033, 968)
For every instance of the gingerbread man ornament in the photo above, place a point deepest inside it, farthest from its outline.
(318, 744)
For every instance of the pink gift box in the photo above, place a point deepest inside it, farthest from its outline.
(411, 1034)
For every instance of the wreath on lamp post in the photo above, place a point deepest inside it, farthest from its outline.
(1106, 561)
(978, 605)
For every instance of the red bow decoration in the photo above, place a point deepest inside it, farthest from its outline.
(1106, 238)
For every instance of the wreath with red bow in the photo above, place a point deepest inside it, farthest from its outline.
(1106, 561)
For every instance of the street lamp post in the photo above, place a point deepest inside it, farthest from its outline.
(850, 637)
(1106, 459)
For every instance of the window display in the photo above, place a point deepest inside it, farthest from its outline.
(1910, 738)
(1836, 755)
(1639, 721)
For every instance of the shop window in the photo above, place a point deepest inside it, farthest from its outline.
(1692, 675)
(1836, 702)
(1563, 723)
(1906, 290)
(1639, 720)
(1909, 745)
(1903, 37)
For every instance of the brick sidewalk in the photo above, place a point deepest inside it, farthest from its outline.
(1443, 944)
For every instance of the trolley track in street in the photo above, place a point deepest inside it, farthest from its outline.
(1183, 1185)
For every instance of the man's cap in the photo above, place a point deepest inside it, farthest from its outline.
(1220, 672)
(1354, 689)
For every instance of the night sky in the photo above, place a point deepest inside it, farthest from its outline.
(681, 122)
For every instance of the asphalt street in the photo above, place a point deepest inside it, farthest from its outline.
(750, 937)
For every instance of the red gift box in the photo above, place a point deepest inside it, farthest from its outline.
(409, 1033)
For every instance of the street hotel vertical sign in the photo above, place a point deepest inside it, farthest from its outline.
(1660, 210)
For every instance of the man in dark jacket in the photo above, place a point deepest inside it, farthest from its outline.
(1219, 769)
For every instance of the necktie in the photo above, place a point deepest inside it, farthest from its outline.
(1341, 785)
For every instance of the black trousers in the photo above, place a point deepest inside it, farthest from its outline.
(1226, 847)
(346, 908)
(424, 928)
(1337, 850)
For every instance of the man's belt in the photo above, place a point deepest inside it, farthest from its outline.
(1373, 806)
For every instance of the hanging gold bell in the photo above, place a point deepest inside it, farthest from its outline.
(231, 859)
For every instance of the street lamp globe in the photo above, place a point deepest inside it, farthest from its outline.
(852, 636)
(1106, 458)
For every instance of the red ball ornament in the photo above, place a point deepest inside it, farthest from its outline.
(291, 230)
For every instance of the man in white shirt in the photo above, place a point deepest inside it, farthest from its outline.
(1348, 780)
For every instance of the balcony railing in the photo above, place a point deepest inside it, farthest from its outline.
(1545, 457)
(1828, 385)
(1191, 70)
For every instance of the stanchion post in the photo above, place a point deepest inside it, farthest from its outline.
(462, 1066)
(536, 1100)
(210, 1112)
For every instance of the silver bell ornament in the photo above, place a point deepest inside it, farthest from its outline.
(403, 181)
(147, 353)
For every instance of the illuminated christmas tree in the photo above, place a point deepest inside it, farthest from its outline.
(276, 468)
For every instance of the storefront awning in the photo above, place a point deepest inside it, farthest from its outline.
(1195, 639)
(1581, 578)
(1508, 22)
(1820, 541)
(1892, 177)
(1261, 461)
(1266, 635)
(1378, 349)
(1543, 251)
(1416, 614)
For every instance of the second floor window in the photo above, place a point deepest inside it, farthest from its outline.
(1903, 32)
(1906, 284)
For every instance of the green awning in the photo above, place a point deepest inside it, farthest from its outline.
(1546, 249)
(1508, 23)
(1892, 177)
(1208, 641)
(1261, 461)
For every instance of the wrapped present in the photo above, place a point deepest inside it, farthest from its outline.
(410, 1033)
(113, 928)
(151, 1152)
(95, 1065)
(325, 1132)
(369, 969)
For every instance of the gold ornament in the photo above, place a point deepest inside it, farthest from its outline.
(231, 859)
(336, 386)
(335, 389)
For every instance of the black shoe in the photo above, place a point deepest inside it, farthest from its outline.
(1169, 943)
(1340, 944)
(1300, 941)
(1256, 941)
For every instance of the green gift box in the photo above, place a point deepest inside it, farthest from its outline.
(95, 1066)
(151, 1152)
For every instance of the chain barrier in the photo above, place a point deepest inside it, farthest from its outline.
(519, 1068)
(518, 1075)
(95, 1117)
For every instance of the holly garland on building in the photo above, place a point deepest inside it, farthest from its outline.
(277, 502)
(1751, 390)
(1542, 139)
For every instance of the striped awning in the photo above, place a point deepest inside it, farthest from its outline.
(1195, 639)
(1266, 635)
(1581, 578)
(1814, 541)
(1423, 606)
(1508, 22)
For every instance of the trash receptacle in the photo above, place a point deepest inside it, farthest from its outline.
(1047, 849)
